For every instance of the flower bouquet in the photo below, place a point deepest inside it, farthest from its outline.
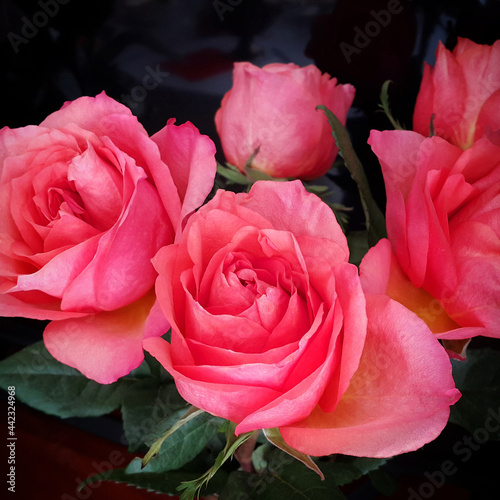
(255, 346)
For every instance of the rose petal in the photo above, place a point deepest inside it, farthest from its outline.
(220, 356)
(449, 99)
(351, 299)
(268, 107)
(488, 116)
(424, 105)
(236, 401)
(406, 159)
(104, 346)
(314, 219)
(473, 305)
(41, 306)
(121, 270)
(105, 117)
(99, 184)
(305, 385)
(381, 274)
(378, 416)
(156, 322)
(191, 161)
(87, 112)
(55, 277)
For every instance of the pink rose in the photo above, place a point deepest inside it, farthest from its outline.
(462, 91)
(86, 200)
(443, 213)
(271, 328)
(274, 108)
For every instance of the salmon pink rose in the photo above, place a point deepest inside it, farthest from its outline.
(271, 329)
(443, 213)
(274, 109)
(462, 91)
(86, 200)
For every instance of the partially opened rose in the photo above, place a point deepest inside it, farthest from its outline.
(462, 91)
(443, 214)
(86, 200)
(271, 328)
(274, 109)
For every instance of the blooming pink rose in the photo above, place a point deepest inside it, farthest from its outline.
(86, 200)
(274, 108)
(271, 329)
(443, 215)
(462, 91)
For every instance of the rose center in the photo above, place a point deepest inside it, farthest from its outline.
(60, 199)
(247, 279)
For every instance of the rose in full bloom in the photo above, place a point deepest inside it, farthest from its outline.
(271, 329)
(443, 213)
(86, 200)
(274, 109)
(462, 91)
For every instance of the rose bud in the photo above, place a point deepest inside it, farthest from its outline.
(462, 91)
(271, 111)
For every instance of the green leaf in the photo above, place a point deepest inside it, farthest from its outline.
(386, 108)
(49, 386)
(248, 163)
(340, 212)
(186, 439)
(317, 189)
(259, 456)
(154, 366)
(191, 414)
(159, 482)
(190, 489)
(232, 174)
(256, 175)
(155, 481)
(284, 478)
(478, 379)
(146, 409)
(325, 192)
(345, 469)
(358, 246)
(274, 436)
(375, 221)
(432, 131)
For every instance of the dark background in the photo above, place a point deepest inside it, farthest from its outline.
(52, 51)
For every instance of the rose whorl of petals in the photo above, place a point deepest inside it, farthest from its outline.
(86, 200)
(443, 213)
(271, 329)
